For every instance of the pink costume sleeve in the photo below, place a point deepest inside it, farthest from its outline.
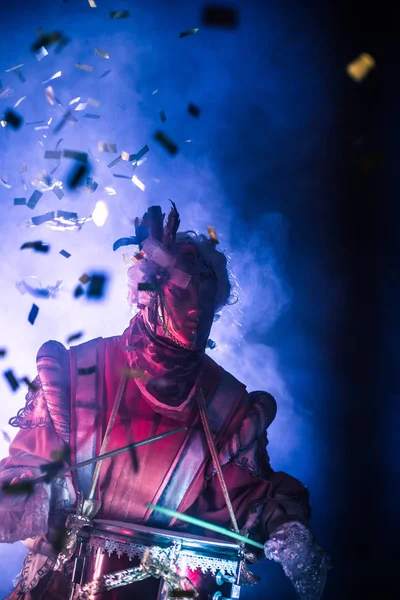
(44, 423)
(262, 499)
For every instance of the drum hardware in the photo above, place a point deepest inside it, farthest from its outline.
(221, 579)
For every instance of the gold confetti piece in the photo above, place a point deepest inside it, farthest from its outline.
(359, 68)
(138, 183)
(92, 4)
(120, 14)
(55, 76)
(133, 373)
(188, 141)
(3, 123)
(41, 53)
(106, 147)
(74, 101)
(213, 235)
(18, 102)
(128, 157)
(13, 68)
(84, 67)
(101, 53)
(110, 191)
(93, 102)
(154, 92)
(100, 213)
(81, 106)
(49, 95)
(188, 32)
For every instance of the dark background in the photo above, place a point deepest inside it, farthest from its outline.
(300, 139)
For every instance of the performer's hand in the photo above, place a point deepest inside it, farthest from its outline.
(305, 563)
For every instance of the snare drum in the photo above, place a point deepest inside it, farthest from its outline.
(210, 565)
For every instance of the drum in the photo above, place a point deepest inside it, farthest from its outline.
(112, 554)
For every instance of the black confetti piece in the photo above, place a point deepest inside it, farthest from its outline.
(187, 32)
(91, 116)
(58, 192)
(9, 375)
(166, 142)
(79, 291)
(77, 176)
(40, 219)
(3, 352)
(211, 344)
(13, 119)
(163, 116)
(76, 155)
(193, 110)
(142, 152)
(37, 246)
(105, 74)
(87, 371)
(65, 253)
(96, 286)
(47, 40)
(114, 162)
(84, 278)
(220, 16)
(34, 199)
(32, 385)
(120, 14)
(74, 336)
(146, 286)
(22, 487)
(33, 314)
(19, 201)
(6, 436)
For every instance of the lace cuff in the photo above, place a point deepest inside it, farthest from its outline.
(305, 563)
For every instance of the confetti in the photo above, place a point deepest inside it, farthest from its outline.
(114, 162)
(166, 142)
(46, 40)
(121, 176)
(359, 68)
(154, 92)
(14, 68)
(193, 110)
(53, 154)
(146, 286)
(6, 92)
(3, 352)
(123, 107)
(9, 375)
(64, 119)
(41, 53)
(92, 4)
(110, 191)
(106, 147)
(101, 53)
(23, 169)
(39, 291)
(3, 181)
(93, 102)
(163, 116)
(100, 213)
(6, 436)
(105, 74)
(34, 122)
(77, 175)
(220, 16)
(84, 278)
(76, 155)
(74, 336)
(120, 14)
(188, 141)
(18, 102)
(188, 32)
(33, 314)
(133, 373)
(58, 192)
(34, 199)
(79, 291)
(37, 246)
(211, 344)
(55, 76)
(87, 371)
(96, 286)
(213, 235)
(65, 253)
(91, 185)
(128, 157)
(138, 183)
(22, 487)
(83, 67)
(32, 385)
(74, 101)
(81, 106)
(13, 119)
(91, 116)
(43, 218)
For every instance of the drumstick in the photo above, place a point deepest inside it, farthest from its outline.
(205, 524)
(89, 461)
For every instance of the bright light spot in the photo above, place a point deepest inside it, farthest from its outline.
(100, 213)
(138, 183)
(110, 191)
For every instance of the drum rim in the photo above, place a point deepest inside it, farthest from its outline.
(162, 537)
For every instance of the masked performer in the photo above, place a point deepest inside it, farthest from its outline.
(108, 393)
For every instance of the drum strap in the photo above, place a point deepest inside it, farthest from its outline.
(213, 451)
